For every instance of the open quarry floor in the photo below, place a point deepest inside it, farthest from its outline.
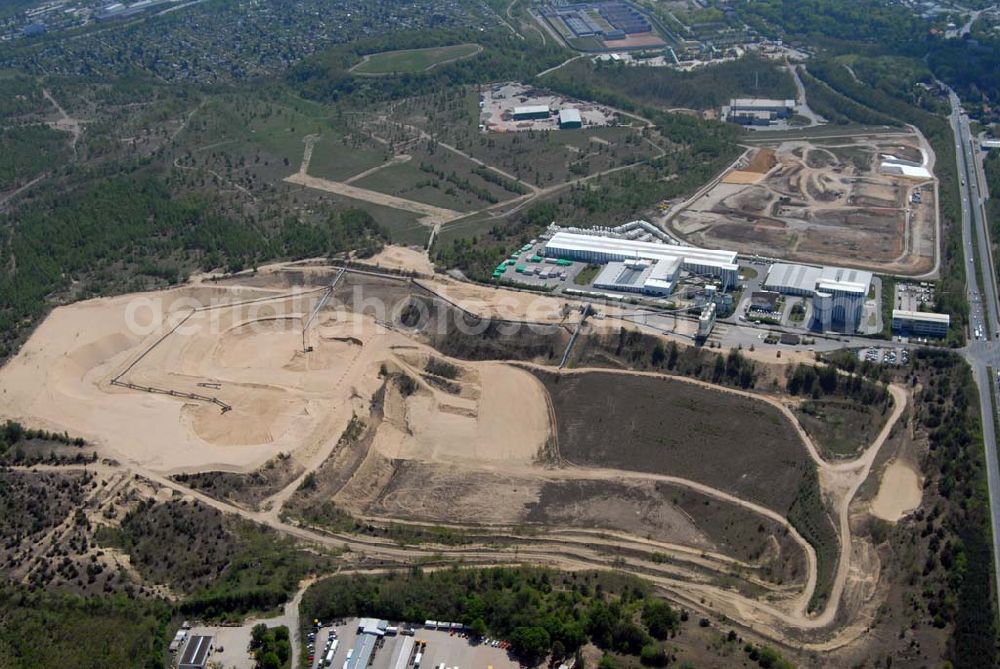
(517, 457)
(825, 202)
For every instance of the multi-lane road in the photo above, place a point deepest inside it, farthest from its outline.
(983, 350)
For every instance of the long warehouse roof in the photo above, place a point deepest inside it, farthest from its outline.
(630, 248)
(927, 316)
(532, 109)
(791, 276)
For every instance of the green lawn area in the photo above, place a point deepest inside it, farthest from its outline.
(587, 274)
(332, 159)
(413, 60)
(408, 181)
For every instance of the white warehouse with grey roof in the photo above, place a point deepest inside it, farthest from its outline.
(838, 293)
(605, 249)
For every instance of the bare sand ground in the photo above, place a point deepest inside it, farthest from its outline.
(430, 215)
(899, 493)
(404, 258)
(742, 177)
(509, 422)
(249, 355)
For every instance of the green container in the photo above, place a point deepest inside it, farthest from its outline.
(519, 269)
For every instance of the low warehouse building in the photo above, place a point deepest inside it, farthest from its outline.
(757, 111)
(570, 119)
(920, 324)
(531, 112)
(598, 248)
(196, 653)
(640, 276)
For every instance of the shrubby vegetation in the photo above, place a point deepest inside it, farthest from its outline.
(130, 232)
(539, 611)
(703, 88)
(270, 646)
(225, 566)
(13, 433)
(52, 629)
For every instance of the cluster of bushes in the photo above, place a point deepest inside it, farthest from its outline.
(270, 646)
(819, 381)
(13, 434)
(539, 611)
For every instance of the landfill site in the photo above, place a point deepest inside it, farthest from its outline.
(866, 201)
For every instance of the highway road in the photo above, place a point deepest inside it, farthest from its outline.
(983, 350)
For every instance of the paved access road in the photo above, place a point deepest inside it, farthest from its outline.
(981, 352)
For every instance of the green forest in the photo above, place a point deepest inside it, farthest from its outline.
(662, 87)
(129, 232)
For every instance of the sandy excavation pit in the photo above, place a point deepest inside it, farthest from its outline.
(826, 204)
(247, 352)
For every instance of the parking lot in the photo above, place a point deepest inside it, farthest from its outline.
(436, 648)
(884, 356)
(909, 296)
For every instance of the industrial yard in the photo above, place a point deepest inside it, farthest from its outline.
(863, 201)
(514, 107)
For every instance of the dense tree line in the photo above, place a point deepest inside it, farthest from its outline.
(127, 228)
(326, 76)
(703, 88)
(28, 150)
(960, 544)
(833, 23)
(54, 629)
(820, 381)
(539, 611)
(270, 646)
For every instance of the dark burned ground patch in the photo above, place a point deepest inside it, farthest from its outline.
(661, 426)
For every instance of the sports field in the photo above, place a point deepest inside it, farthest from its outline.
(413, 60)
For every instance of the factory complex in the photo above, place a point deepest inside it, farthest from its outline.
(515, 107)
(599, 248)
(838, 294)
(757, 111)
(612, 23)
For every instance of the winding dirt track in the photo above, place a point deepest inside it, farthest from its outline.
(556, 549)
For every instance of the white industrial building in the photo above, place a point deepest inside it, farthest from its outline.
(920, 323)
(757, 111)
(706, 321)
(898, 167)
(601, 249)
(640, 276)
(838, 293)
(570, 118)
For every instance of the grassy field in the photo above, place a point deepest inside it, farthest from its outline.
(732, 443)
(841, 427)
(413, 60)
(676, 428)
(337, 158)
